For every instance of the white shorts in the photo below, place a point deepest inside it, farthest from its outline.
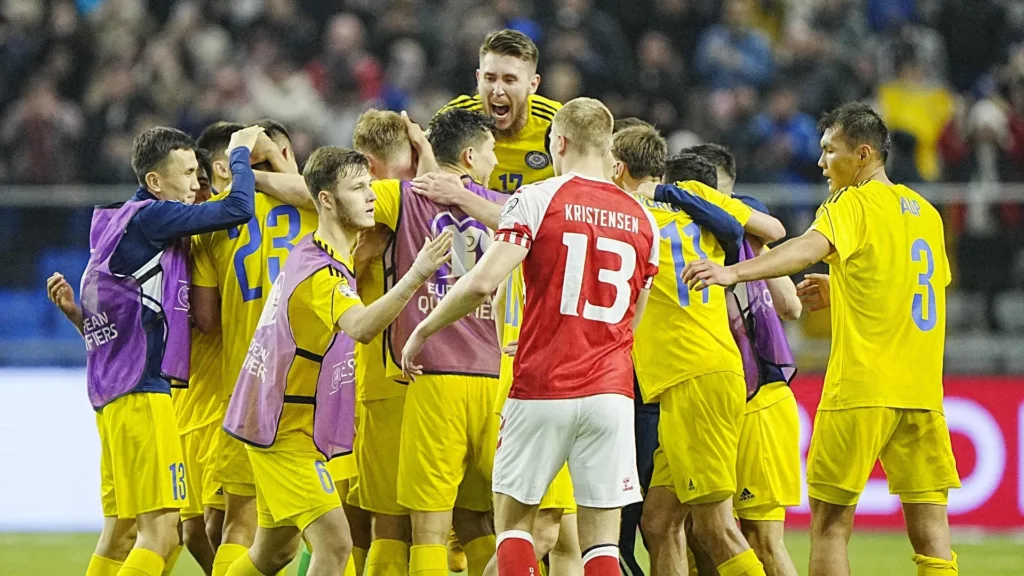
(594, 434)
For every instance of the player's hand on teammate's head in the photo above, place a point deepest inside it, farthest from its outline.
(814, 291)
(511, 348)
(264, 147)
(245, 137)
(416, 134)
(435, 252)
(61, 293)
(440, 188)
(700, 274)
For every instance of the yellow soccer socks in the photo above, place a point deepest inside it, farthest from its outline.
(226, 555)
(428, 560)
(172, 560)
(744, 564)
(142, 562)
(243, 566)
(928, 566)
(479, 553)
(100, 566)
(387, 558)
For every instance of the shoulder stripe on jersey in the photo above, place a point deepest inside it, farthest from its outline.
(538, 102)
(541, 107)
(470, 105)
(542, 116)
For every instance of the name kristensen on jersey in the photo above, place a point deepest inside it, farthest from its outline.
(600, 217)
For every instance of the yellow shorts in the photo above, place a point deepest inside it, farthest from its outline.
(447, 443)
(141, 466)
(196, 449)
(232, 469)
(698, 435)
(560, 495)
(768, 464)
(378, 438)
(293, 487)
(913, 446)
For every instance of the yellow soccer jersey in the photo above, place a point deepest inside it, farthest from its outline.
(372, 381)
(523, 159)
(889, 274)
(386, 211)
(246, 260)
(313, 312)
(200, 403)
(515, 291)
(683, 334)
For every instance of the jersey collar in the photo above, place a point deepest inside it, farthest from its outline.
(319, 242)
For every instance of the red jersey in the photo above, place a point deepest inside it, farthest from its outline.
(592, 249)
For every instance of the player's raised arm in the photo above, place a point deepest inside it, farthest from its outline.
(450, 190)
(425, 160)
(171, 218)
(363, 323)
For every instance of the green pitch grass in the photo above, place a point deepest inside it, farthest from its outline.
(875, 553)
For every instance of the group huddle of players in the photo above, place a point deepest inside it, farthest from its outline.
(439, 336)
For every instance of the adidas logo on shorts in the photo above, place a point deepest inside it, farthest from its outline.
(692, 487)
(746, 495)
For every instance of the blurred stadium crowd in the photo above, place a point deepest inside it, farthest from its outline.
(79, 78)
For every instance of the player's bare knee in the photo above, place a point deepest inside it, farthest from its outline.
(117, 539)
(214, 520)
(568, 543)
(431, 527)
(657, 521)
(193, 530)
(545, 532)
(764, 538)
(388, 527)
(831, 520)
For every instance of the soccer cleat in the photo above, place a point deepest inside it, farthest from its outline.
(457, 561)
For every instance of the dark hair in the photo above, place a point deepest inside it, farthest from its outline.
(274, 129)
(718, 155)
(510, 43)
(217, 136)
(454, 130)
(151, 148)
(686, 166)
(205, 161)
(623, 123)
(329, 164)
(642, 149)
(859, 124)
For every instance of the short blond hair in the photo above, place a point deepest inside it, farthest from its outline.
(510, 43)
(642, 149)
(587, 124)
(380, 133)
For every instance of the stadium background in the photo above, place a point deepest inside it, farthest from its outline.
(79, 78)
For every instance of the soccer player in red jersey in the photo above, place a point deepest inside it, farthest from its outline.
(589, 251)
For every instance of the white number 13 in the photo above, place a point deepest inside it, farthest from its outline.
(575, 265)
